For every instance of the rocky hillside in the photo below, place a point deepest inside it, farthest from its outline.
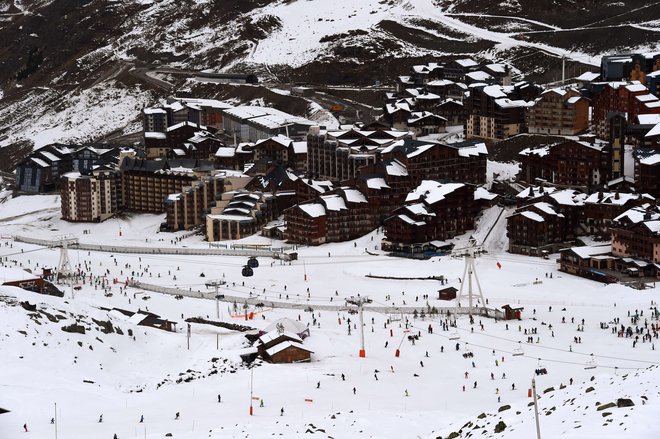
(69, 67)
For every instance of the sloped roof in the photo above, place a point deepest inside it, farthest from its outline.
(286, 345)
(432, 191)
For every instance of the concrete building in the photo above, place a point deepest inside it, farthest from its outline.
(90, 196)
(558, 111)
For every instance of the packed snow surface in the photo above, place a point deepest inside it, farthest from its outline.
(123, 377)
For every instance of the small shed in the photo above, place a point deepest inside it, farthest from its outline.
(512, 313)
(275, 337)
(154, 321)
(288, 352)
(448, 293)
(17, 277)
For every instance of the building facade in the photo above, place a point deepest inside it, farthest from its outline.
(560, 112)
(89, 197)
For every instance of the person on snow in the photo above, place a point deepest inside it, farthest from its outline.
(282, 411)
(141, 419)
(343, 377)
(219, 398)
(101, 418)
(176, 417)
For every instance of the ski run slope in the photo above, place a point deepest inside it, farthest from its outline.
(304, 23)
(123, 378)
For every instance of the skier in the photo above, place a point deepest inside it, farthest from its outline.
(176, 417)
(354, 391)
(115, 436)
(318, 385)
(141, 419)
(25, 427)
(261, 403)
(343, 377)
(219, 398)
(101, 418)
(282, 411)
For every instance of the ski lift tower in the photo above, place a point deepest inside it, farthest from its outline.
(63, 243)
(359, 302)
(469, 253)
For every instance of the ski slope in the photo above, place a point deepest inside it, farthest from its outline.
(123, 378)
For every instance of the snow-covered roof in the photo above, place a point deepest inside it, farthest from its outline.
(411, 221)
(421, 149)
(473, 150)
(592, 250)
(334, 202)
(71, 175)
(495, 91)
(273, 334)
(185, 123)
(354, 196)
(535, 191)
(533, 216)
(540, 151)
(651, 160)
(466, 62)
(479, 76)
(314, 210)
(285, 345)
(439, 83)
(281, 139)
(508, 103)
(482, 194)
(300, 147)
(547, 208)
(496, 67)
(376, 183)
(154, 110)
(568, 197)
(636, 87)
(225, 151)
(615, 198)
(588, 77)
(8, 274)
(655, 131)
(212, 103)
(39, 162)
(50, 156)
(432, 191)
(288, 325)
(154, 135)
(395, 168)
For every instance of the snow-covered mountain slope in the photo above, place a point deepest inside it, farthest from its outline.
(604, 406)
(64, 61)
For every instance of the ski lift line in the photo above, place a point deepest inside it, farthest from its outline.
(27, 251)
(538, 346)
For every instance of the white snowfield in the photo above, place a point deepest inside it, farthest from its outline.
(304, 23)
(123, 378)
